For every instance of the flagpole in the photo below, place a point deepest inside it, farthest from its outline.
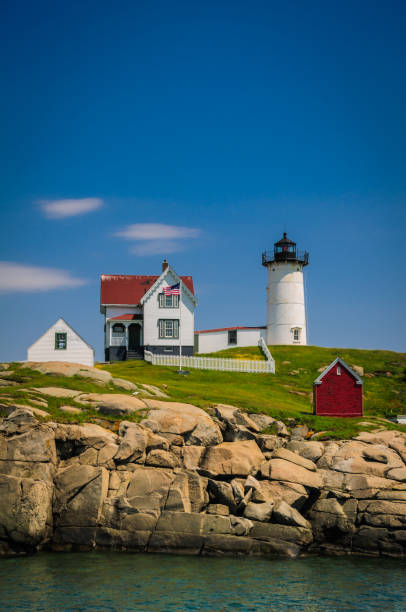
(180, 326)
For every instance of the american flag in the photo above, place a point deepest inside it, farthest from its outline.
(172, 290)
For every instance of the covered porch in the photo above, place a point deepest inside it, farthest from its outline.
(124, 338)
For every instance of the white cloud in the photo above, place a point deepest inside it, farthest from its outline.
(157, 231)
(59, 209)
(156, 247)
(157, 238)
(18, 277)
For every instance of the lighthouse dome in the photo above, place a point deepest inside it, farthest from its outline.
(285, 240)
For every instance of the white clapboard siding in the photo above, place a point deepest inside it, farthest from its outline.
(214, 363)
(212, 341)
(153, 312)
(77, 350)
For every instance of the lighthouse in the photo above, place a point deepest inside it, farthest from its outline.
(286, 314)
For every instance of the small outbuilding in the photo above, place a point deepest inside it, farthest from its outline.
(61, 343)
(212, 340)
(337, 392)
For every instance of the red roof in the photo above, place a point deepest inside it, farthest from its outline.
(126, 289)
(208, 331)
(338, 361)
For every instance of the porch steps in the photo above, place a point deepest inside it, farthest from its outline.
(135, 355)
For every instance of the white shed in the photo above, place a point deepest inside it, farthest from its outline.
(61, 343)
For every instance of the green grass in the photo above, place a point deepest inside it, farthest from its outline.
(31, 379)
(288, 392)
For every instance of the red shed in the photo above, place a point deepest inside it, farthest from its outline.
(338, 391)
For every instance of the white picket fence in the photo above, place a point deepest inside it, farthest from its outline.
(214, 363)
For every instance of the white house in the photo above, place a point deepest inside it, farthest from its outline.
(211, 340)
(139, 316)
(61, 343)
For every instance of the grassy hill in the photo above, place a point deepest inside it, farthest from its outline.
(298, 366)
(288, 393)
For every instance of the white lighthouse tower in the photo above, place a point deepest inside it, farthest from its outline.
(286, 315)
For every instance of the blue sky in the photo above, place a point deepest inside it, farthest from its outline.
(231, 122)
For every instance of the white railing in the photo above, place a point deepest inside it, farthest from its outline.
(262, 345)
(214, 363)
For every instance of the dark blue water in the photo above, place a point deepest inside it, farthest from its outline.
(118, 581)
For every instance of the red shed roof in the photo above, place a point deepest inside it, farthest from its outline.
(208, 331)
(124, 317)
(319, 379)
(129, 289)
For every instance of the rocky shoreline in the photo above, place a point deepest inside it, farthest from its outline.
(182, 481)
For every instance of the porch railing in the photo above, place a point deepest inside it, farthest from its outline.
(118, 341)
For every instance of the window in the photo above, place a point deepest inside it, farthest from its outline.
(169, 328)
(232, 336)
(60, 341)
(168, 301)
(338, 371)
(296, 334)
(118, 330)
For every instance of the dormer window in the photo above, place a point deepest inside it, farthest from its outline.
(168, 301)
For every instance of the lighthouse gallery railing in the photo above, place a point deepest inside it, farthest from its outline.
(271, 256)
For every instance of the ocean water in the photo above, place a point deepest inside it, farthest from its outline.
(120, 581)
